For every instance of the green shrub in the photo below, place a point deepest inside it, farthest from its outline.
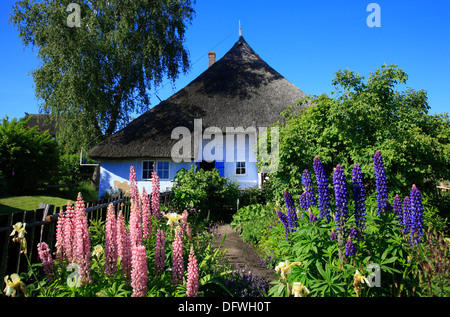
(213, 196)
(26, 155)
(251, 221)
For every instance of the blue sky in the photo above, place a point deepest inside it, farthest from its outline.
(305, 41)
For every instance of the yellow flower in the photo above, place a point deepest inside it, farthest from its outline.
(13, 285)
(98, 250)
(358, 280)
(20, 229)
(299, 290)
(284, 268)
(173, 218)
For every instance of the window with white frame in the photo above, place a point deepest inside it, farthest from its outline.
(240, 168)
(162, 168)
(147, 169)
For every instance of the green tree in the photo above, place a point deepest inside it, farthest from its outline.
(26, 155)
(362, 116)
(94, 75)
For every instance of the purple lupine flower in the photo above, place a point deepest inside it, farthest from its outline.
(302, 201)
(322, 188)
(380, 182)
(406, 211)
(284, 220)
(352, 232)
(417, 215)
(349, 247)
(333, 235)
(397, 207)
(340, 192)
(359, 198)
(306, 180)
(291, 213)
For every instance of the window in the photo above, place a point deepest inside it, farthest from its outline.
(162, 168)
(147, 169)
(240, 168)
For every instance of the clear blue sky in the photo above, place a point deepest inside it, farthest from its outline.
(305, 41)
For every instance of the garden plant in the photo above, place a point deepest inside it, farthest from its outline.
(357, 244)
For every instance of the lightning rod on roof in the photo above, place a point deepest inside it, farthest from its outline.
(240, 33)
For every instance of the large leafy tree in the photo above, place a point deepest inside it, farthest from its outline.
(97, 73)
(362, 116)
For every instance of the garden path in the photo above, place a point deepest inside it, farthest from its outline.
(242, 254)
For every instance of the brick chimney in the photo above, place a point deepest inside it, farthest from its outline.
(211, 58)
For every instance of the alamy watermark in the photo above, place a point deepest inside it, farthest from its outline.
(374, 18)
(232, 145)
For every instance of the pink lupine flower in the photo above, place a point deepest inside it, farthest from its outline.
(133, 184)
(192, 279)
(60, 237)
(160, 251)
(82, 252)
(68, 233)
(110, 241)
(135, 225)
(123, 245)
(177, 260)
(156, 209)
(46, 259)
(146, 215)
(139, 274)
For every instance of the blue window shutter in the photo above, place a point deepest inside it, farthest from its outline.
(220, 166)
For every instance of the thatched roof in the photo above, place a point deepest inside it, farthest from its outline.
(43, 121)
(239, 90)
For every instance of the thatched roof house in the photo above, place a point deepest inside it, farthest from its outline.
(239, 90)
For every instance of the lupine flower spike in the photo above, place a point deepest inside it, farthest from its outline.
(192, 279)
(160, 253)
(397, 207)
(284, 220)
(177, 262)
(156, 209)
(340, 191)
(306, 179)
(139, 275)
(146, 215)
(416, 215)
(380, 182)
(291, 213)
(46, 259)
(359, 199)
(323, 192)
(82, 252)
(111, 241)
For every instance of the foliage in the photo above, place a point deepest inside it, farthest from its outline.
(251, 221)
(94, 76)
(62, 283)
(383, 251)
(212, 196)
(26, 155)
(360, 117)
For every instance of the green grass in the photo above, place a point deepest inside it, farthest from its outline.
(57, 197)
(21, 203)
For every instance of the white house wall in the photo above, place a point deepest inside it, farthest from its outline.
(115, 174)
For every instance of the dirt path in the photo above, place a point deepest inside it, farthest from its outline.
(241, 253)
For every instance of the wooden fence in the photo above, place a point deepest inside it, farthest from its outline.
(41, 227)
